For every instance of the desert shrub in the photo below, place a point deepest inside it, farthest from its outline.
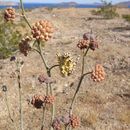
(8, 38)
(108, 11)
(126, 17)
(50, 9)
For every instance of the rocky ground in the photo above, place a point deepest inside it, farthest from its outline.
(100, 106)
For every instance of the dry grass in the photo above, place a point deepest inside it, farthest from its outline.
(124, 117)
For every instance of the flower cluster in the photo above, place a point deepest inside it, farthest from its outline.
(83, 44)
(98, 74)
(38, 100)
(24, 46)
(9, 14)
(75, 122)
(66, 64)
(42, 30)
(60, 122)
(89, 40)
(57, 124)
(49, 99)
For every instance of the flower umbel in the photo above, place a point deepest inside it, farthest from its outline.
(42, 30)
(83, 44)
(89, 40)
(74, 121)
(49, 99)
(37, 101)
(57, 124)
(24, 46)
(9, 14)
(64, 121)
(98, 74)
(66, 64)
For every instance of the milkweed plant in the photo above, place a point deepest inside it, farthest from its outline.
(42, 31)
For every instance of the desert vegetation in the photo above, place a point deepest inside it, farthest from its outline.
(107, 11)
(126, 17)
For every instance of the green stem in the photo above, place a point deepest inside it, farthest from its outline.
(53, 108)
(26, 20)
(86, 51)
(66, 127)
(20, 101)
(43, 116)
(74, 97)
(42, 57)
(44, 108)
(83, 60)
(23, 14)
(79, 84)
(54, 66)
(22, 7)
(48, 70)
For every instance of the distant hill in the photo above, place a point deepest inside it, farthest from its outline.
(124, 4)
(74, 4)
(68, 4)
(4, 3)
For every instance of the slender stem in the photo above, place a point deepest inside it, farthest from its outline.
(44, 108)
(74, 97)
(47, 89)
(40, 52)
(35, 50)
(53, 108)
(20, 101)
(53, 67)
(79, 84)
(43, 116)
(7, 105)
(83, 60)
(22, 7)
(66, 127)
(86, 51)
(23, 14)
(48, 70)
(25, 18)
(87, 74)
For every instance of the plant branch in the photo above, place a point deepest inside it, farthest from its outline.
(48, 70)
(42, 57)
(53, 108)
(22, 7)
(74, 97)
(43, 116)
(54, 66)
(23, 14)
(86, 51)
(79, 84)
(87, 74)
(20, 100)
(83, 60)
(26, 20)
(44, 108)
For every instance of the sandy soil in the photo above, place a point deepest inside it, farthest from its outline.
(100, 106)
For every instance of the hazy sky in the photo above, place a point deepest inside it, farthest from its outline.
(56, 1)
